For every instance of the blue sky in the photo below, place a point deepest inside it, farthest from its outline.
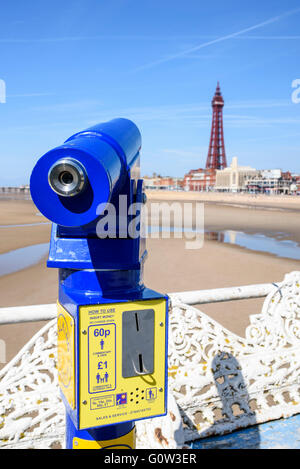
(68, 65)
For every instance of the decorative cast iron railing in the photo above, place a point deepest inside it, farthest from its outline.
(218, 381)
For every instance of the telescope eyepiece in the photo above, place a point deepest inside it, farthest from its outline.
(67, 177)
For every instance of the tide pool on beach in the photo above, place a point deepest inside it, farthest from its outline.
(260, 242)
(277, 245)
(19, 259)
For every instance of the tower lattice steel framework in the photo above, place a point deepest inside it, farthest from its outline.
(216, 158)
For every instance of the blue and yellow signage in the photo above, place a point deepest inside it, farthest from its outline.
(109, 392)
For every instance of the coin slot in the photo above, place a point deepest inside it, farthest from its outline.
(141, 363)
(137, 322)
(137, 343)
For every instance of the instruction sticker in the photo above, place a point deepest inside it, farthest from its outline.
(109, 396)
(102, 357)
(102, 402)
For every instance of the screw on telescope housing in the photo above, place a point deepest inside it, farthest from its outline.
(67, 177)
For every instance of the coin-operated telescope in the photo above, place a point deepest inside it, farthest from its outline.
(112, 330)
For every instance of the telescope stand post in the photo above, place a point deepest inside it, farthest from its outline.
(119, 436)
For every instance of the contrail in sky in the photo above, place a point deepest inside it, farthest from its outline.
(274, 19)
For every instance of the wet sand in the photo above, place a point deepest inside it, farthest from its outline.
(281, 202)
(169, 267)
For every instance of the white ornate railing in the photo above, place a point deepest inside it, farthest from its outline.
(201, 297)
(17, 314)
(221, 381)
(218, 381)
(32, 414)
(47, 312)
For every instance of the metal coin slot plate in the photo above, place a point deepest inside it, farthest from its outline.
(138, 343)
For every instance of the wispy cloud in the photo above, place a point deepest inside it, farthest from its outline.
(236, 114)
(128, 37)
(270, 38)
(116, 37)
(244, 121)
(261, 104)
(198, 47)
(29, 95)
(198, 111)
(186, 154)
(203, 56)
(81, 105)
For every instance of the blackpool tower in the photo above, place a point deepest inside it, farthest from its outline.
(216, 158)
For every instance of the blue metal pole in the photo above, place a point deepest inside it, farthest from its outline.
(119, 436)
(82, 287)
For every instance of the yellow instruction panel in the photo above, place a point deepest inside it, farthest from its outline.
(122, 371)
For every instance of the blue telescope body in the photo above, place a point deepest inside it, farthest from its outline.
(106, 154)
(68, 184)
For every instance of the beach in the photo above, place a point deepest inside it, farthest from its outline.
(169, 266)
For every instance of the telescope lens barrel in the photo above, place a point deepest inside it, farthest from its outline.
(67, 177)
(92, 167)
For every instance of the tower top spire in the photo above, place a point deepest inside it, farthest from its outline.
(218, 98)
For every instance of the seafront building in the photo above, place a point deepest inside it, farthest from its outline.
(272, 182)
(234, 177)
(163, 183)
(15, 190)
(201, 180)
(237, 178)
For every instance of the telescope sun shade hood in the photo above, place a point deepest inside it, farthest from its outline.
(106, 152)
